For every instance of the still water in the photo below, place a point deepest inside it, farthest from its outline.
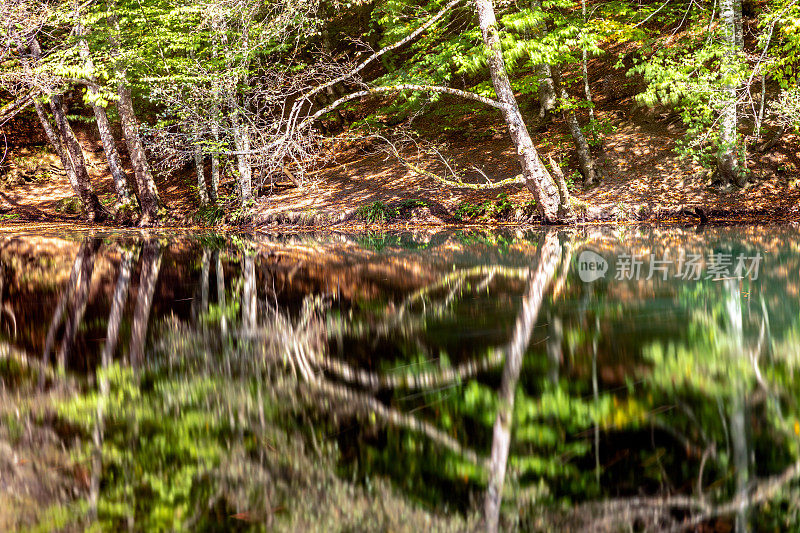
(604, 379)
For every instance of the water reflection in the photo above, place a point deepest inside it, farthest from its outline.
(452, 381)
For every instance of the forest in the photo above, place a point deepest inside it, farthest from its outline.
(306, 112)
(411, 265)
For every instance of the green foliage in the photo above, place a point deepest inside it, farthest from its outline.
(689, 76)
(786, 108)
(487, 210)
(412, 203)
(780, 34)
(211, 213)
(377, 241)
(377, 212)
(595, 130)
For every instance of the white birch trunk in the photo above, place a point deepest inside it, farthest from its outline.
(104, 128)
(537, 178)
(728, 161)
(547, 91)
(201, 176)
(241, 139)
(145, 184)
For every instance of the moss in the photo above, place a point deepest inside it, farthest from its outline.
(69, 206)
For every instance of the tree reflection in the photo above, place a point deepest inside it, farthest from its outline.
(468, 381)
(73, 301)
(148, 276)
(118, 300)
(541, 276)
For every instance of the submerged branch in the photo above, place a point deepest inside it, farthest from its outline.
(353, 400)
(423, 380)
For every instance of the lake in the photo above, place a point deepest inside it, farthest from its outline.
(602, 378)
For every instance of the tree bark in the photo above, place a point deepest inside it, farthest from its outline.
(216, 110)
(728, 160)
(241, 130)
(202, 191)
(540, 278)
(738, 28)
(148, 276)
(55, 142)
(241, 139)
(146, 186)
(585, 64)
(124, 197)
(547, 90)
(95, 212)
(64, 142)
(213, 193)
(585, 160)
(538, 180)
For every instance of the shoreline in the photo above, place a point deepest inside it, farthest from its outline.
(306, 222)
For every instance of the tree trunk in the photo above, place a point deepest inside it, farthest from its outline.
(728, 160)
(148, 276)
(241, 138)
(95, 212)
(64, 143)
(216, 109)
(214, 192)
(146, 186)
(540, 277)
(547, 90)
(738, 28)
(55, 142)
(124, 195)
(536, 176)
(124, 198)
(586, 89)
(201, 176)
(585, 160)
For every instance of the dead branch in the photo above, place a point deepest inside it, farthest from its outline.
(519, 179)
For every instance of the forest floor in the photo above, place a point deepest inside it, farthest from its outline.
(645, 180)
